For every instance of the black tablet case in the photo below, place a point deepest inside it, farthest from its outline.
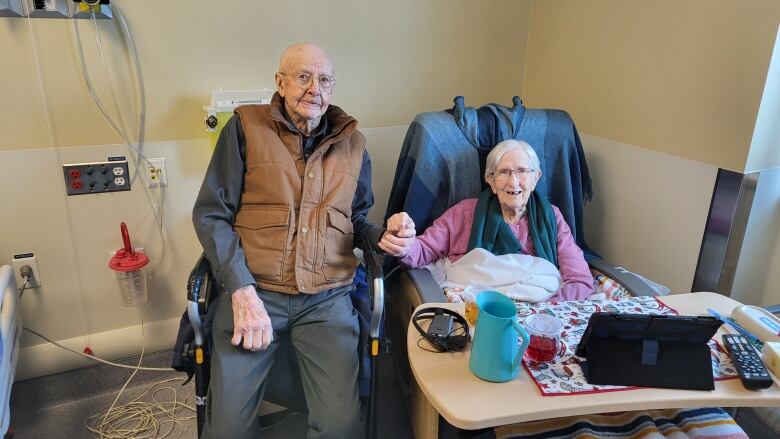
(648, 350)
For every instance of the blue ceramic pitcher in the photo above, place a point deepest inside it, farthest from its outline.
(495, 354)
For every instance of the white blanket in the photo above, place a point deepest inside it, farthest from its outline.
(521, 277)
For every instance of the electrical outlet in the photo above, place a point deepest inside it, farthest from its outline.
(155, 172)
(97, 177)
(19, 261)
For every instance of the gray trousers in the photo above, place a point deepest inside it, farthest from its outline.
(323, 329)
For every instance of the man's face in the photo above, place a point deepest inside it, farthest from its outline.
(305, 101)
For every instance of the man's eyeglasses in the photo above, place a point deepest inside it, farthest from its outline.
(305, 80)
(505, 174)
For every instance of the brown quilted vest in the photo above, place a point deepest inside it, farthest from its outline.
(294, 219)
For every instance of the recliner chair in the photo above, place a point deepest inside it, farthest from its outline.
(284, 386)
(442, 162)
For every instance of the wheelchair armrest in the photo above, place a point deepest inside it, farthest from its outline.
(426, 286)
(199, 295)
(625, 278)
(377, 290)
(198, 284)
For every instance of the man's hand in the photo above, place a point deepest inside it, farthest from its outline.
(250, 320)
(400, 235)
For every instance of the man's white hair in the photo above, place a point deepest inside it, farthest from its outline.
(284, 59)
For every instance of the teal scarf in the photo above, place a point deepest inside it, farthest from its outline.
(491, 232)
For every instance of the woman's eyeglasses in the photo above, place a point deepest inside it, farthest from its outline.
(505, 174)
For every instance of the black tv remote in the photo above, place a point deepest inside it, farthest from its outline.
(751, 370)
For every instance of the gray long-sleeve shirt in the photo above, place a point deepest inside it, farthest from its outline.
(220, 196)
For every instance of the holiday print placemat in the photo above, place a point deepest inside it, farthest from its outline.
(563, 376)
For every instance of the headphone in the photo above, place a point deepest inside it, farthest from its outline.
(446, 343)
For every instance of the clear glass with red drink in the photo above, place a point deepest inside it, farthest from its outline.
(545, 333)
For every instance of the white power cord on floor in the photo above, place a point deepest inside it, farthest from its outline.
(144, 419)
(137, 419)
(110, 410)
(92, 357)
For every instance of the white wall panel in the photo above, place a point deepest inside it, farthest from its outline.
(649, 210)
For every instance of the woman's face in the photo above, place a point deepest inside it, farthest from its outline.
(513, 181)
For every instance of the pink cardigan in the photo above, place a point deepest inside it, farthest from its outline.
(449, 236)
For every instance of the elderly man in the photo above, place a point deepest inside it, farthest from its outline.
(288, 185)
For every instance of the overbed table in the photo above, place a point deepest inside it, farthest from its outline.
(467, 402)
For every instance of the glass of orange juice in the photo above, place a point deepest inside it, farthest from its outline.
(470, 299)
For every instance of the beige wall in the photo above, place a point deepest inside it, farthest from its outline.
(680, 77)
(665, 93)
(394, 60)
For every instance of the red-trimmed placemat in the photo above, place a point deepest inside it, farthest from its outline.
(563, 376)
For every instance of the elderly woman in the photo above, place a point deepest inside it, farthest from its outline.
(507, 218)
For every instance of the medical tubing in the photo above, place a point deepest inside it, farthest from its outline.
(111, 89)
(137, 67)
(50, 131)
(142, 124)
(155, 207)
(91, 88)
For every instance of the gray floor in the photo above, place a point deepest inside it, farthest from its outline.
(57, 406)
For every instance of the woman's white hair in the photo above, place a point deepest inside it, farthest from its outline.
(497, 153)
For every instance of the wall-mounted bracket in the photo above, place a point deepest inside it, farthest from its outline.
(11, 8)
(48, 8)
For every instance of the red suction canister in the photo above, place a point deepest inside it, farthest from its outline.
(128, 266)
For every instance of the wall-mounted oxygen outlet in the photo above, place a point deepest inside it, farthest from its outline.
(91, 8)
(155, 172)
(92, 178)
(26, 264)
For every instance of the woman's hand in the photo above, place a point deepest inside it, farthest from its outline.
(401, 224)
(400, 235)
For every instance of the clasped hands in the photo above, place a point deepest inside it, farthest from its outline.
(400, 235)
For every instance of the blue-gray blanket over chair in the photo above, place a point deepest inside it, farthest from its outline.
(436, 168)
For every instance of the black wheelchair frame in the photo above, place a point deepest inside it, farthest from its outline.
(201, 291)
